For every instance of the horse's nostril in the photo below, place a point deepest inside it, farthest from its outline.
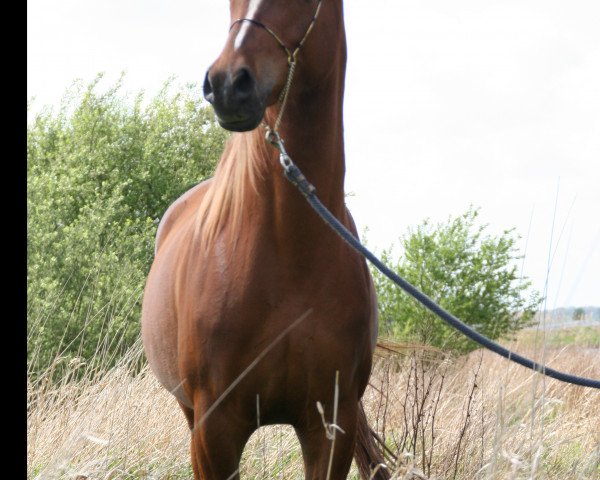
(207, 89)
(243, 85)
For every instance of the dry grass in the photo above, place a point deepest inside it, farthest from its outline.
(477, 417)
(481, 417)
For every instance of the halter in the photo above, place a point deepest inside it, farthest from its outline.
(272, 133)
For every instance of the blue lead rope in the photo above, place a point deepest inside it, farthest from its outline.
(295, 176)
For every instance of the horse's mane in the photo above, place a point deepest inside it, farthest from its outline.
(237, 170)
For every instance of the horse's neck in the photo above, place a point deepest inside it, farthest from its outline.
(313, 134)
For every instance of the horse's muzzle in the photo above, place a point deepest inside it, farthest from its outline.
(236, 98)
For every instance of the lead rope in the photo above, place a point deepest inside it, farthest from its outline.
(295, 176)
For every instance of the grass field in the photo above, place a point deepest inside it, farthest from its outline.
(474, 417)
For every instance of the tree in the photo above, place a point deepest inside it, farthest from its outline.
(100, 174)
(470, 274)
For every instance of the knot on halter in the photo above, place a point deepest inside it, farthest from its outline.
(291, 58)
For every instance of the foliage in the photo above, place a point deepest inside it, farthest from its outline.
(100, 174)
(470, 274)
(579, 313)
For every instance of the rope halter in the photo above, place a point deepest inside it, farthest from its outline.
(291, 59)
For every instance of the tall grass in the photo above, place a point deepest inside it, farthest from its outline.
(473, 417)
(481, 417)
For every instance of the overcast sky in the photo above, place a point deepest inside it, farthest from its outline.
(490, 103)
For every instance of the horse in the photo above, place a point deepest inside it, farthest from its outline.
(252, 306)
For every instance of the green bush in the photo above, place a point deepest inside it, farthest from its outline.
(471, 275)
(100, 174)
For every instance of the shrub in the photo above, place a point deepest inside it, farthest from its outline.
(472, 275)
(100, 174)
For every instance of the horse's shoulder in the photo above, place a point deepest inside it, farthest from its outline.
(176, 209)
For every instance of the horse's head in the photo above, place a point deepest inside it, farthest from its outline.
(252, 70)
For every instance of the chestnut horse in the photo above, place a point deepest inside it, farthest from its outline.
(254, 310)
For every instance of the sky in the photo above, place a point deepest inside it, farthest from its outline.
(494, 104)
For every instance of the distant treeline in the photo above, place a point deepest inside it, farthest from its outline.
(576, 313)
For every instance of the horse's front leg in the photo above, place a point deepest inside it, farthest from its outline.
(218, 441)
